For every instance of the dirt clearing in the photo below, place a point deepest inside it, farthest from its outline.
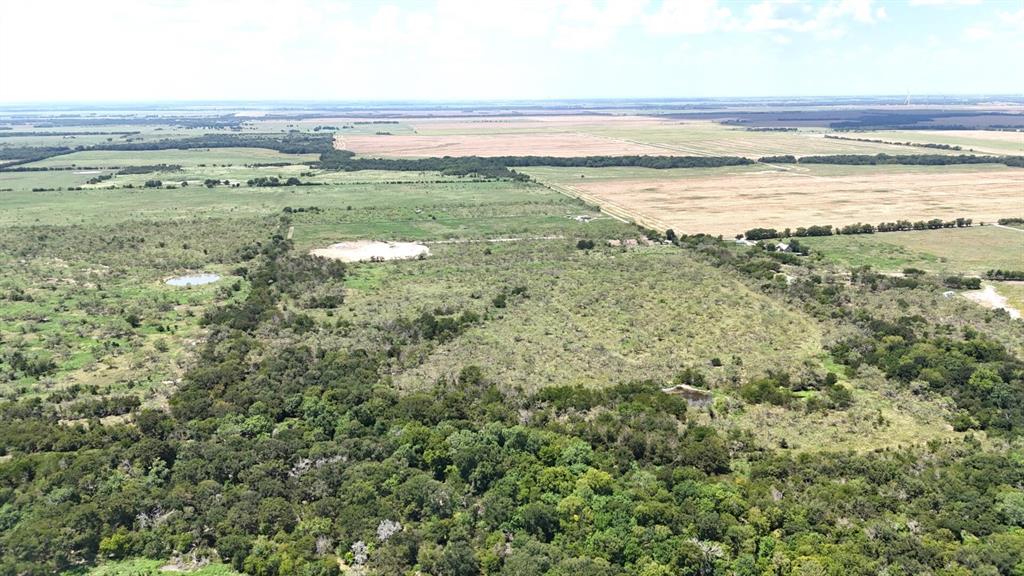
(989, 298)
(371, 251)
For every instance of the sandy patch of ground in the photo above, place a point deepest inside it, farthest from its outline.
(732, 203)
(369, 250)
(989, 298)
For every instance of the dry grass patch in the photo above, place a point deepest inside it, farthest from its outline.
(732, 203)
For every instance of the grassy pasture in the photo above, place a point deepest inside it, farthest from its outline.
(146, 567)
(968, 251)
(190, 157)
(360, 209)
(25, 181)
(1013, 292)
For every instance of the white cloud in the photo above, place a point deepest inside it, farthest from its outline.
(944, 2)
(827, 20)
(1005, 24)
(588, 26)
(979, 32)
(463, 49)
(689, 17)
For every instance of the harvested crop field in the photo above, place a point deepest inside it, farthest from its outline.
(732, 202)
(556, 144)
(588, 135)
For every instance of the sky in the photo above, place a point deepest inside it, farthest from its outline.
(144, 50)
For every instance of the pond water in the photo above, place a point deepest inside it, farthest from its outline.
(193, 280)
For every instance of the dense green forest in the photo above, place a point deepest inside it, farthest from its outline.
(280, 457)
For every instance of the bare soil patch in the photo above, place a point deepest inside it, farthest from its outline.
(989, 298)
(371, 251)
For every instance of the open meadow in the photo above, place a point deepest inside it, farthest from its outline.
(971, 251)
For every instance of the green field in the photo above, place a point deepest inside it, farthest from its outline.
(144, 567)
(971, 251)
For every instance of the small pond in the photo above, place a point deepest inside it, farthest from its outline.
(193, 280)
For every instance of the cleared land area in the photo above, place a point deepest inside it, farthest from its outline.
(598, 135)
(731, 201)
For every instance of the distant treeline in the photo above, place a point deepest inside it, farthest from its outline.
(290, 143)
(498, 166)
(1008, 221)
(907, 143)
(150, 168)
(216, 122)
(857, 127)
(902, 159)
(15, 155)
(657, 162)
(449, 166)
(772, 129)
(858, 228)
(87, 133)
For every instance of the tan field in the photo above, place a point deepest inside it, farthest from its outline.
(554, 144)
(730, 202)
(592, 135)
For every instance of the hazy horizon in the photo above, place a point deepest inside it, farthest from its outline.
(944, 100)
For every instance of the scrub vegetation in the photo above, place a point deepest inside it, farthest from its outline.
(515, 400)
